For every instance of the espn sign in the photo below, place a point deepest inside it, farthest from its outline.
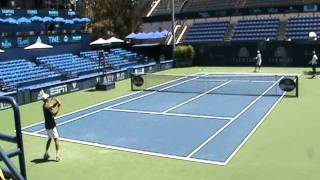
(58, 90)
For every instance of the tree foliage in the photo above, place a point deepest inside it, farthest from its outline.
(118, 17)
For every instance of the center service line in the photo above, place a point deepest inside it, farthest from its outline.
(197, 97)
(236, 117)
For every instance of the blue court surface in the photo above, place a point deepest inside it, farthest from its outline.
(208, 124)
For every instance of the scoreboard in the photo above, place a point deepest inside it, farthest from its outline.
(34, 12)
(21, 42)
(24, 41)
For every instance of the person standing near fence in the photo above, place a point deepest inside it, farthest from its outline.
(314, 63)
(259, 61)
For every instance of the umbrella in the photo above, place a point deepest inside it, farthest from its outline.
(140, 36)
(114, 40)
(1, 51)
(157, 35)
(23, 20)
(99, 41)
(59, 19)
(38, 45)
(164, 32)
(47, 19)
(130, 36)
(149, 35)
(69, 21)
(11, 21)
(36, 18)
(78, 20)
(85, 20)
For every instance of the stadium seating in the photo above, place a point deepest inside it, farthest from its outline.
(116, 58)
(298, 28)
(256, 29)
(19, 71)
(206, 31)
(204, 5)
(273, 3)
(164, 7)
(67, 63)
(208, 5)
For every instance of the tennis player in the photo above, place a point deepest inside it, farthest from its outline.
(50, 110)
(259, 61)
(314, 62)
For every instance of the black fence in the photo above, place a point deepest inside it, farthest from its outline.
(237, 12)
(277, 53)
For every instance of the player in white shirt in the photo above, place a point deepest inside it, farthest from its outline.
(259, 61)
(314, 62)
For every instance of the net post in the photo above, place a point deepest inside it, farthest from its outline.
(297, 86)
(131, 80)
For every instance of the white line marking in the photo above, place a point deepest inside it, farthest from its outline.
(162, 89)
(197, 97)
(73, 119)
(251, 74)
(235, 80)
(114, 99)
(99, 110)
(226, 125)
(132, 150)
(82, 109)
(169, 114)
(253, 130)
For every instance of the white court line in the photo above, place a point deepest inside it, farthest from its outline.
(114, 99)
(250, 74)
(162, 89)
(235, 80)
(197, 97)
(254, 129)
(169, 114)
(99, 110)
(73, 119)
(82, 109)
(133, 150)
(226, 125)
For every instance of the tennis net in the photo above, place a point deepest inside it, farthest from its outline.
(227, 84)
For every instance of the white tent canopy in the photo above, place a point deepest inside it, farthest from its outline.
(114, 40)
(99, 41)
(38, 45)
(1, 51)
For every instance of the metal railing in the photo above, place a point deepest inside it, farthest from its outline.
(16, 139)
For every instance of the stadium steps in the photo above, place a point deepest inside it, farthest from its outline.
(282, 30)
(229, 32)
(183, 28)
(177, 30)
(154, 6)
(180, 32)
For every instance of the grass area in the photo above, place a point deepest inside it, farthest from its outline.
(285, 146)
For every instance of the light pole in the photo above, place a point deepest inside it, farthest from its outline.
(173, 27)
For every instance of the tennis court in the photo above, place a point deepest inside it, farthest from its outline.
(203, 118)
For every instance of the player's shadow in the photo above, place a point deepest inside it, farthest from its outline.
(91, 90)
(310, 74)
(41, 160)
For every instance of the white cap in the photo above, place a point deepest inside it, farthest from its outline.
(258, 52)
(45, 96)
